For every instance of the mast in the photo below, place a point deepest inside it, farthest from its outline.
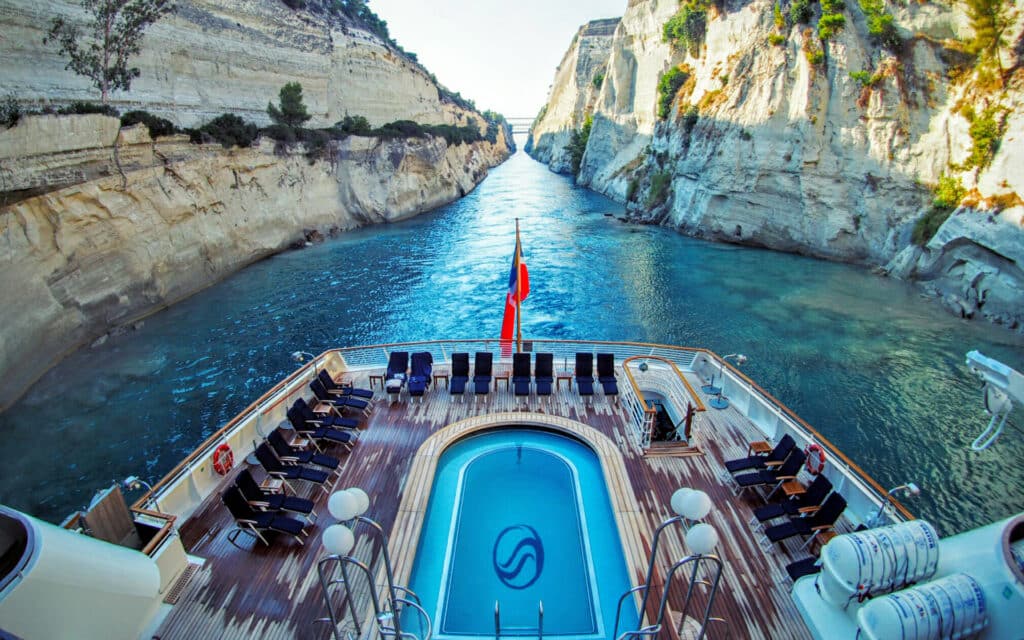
(519, 281)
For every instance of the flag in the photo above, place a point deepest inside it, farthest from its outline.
(518, 287)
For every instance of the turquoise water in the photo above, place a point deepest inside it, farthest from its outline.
(868, 362)
(520, 518)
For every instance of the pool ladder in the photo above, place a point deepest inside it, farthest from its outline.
(518, 631)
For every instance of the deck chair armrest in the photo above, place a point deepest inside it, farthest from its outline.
(808, 510)
(785, 478)
(822, 527)
(773, 463)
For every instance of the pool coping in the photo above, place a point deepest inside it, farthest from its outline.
(405, 534)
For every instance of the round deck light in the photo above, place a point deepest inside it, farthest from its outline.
(679, 499)
(695, 505)
(343, 505)
(701, 539)
(338, 539)
(363, 500)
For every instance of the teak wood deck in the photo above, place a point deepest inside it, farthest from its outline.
(273, 592)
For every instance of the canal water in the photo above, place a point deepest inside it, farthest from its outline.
(876, 368)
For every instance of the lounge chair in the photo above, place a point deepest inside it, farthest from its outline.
(323, 419)
(460, 374)
(337, 389)
(800, 568)
(318, 433)
(256, 522)
(263, 500)
(585, 374)
(543, 374)
(606, 374)
(775, 458)
(398, 371)
(419, 377)
(288, 454)
(483, 367)
(821, 520)
(274, 467)
(521, 374)
(807, 502)
(341, 403)
(788, 471)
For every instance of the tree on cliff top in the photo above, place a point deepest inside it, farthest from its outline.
(292, 112)
(990, 19)
(114, 35)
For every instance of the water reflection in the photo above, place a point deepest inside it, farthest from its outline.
(866, 361)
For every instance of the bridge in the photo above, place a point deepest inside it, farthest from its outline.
(520, 124)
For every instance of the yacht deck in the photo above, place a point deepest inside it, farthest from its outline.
(273, 592)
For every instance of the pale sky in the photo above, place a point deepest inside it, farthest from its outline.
(501, 54)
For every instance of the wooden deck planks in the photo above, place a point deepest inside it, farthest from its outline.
(273, 592)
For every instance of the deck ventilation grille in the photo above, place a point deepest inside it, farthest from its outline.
(179, 587)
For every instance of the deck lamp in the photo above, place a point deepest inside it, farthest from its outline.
(702, 539)
(300, 357)
(910, 490)
(720, 401)
(338, 539)
(680, 504)
(132, 483)
(695, 505)
(343, 506)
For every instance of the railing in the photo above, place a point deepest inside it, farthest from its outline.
(519, 631)
(763, 409)
(671, 383)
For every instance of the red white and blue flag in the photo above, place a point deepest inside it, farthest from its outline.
(518, 289)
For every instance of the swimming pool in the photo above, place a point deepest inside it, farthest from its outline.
(518, 517)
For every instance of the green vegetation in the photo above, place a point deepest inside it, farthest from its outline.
(227, 129)
(634, 184)
(686, 29)
(113, 35)
(578, 144)
(780, 19)
(354, 125)
(801, 11)
(85, 108)
(948, 194)
(776, 39)
(10, 111)
(658, 193)
(157, 126)
(986, 133)
(990, 19)
(668, 86)
(880, 24)
(866, 78)
(690, 116)
(832, 19)
(598, 79)
(293, 111)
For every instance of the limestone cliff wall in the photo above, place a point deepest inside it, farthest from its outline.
(228, 56)
(763, 147)
(573, 93)
(103, 252)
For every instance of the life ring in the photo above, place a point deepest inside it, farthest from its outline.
(223, 459)
(815, 458)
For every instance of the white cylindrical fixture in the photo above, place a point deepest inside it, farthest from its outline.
(695, 505)
(678, 500)
(701, 539)
(952, 607)
(343, 505)
(338, 539)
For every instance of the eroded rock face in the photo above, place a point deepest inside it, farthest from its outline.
(229, 56)
(102, 253)
(578, 80)
(762, 147)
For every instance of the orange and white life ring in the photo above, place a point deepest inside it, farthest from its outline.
(223, 459)
(815, 458)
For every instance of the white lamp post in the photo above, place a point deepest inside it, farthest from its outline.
(301, 356)
(909, 490)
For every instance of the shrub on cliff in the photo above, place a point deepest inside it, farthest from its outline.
(801, 11)
(578, 144)
(10, 111)
(353, 125)
(947, 196)
(85, 108)
(157, 126)
(658, 194)
(686, 29)
(881, 25)
(668, 86)
(991, 20)
(292, 112)
(986, 131)
(227, 129)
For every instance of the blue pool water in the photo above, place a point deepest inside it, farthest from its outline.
(520, 517)
(868, 362)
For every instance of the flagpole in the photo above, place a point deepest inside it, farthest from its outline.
(519, 280)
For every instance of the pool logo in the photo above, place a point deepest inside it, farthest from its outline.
(522, 556)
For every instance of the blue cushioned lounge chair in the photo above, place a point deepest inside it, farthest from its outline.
(483, 367)
(337, 389)
(585, 374)
(323, 419)
(777, 456)
(419, 377)
(274, 467)
(255, 523)
(544, 373)
(821, 520)
(266, 501)
(521, 374)
(606, 374)
(288, 454)
(807, 502)
(787, 471)
(460, 374)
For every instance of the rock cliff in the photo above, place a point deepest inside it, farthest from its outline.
(759, 145)
(578, 80)
(229, 56)
(108, 250)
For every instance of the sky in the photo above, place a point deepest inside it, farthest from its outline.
(501, 54)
